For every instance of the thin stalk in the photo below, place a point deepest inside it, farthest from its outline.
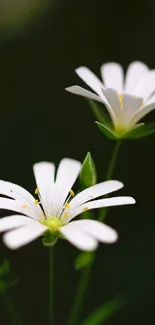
(11, 309)
(113, 160)
(79, 298)
(103, 212)
(84, 280)
(51, 291)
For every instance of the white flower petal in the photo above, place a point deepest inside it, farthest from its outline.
(19, 237)
(13, 205)
(136, 70)
(146, 86)
(14, 221)
(44, 175)
(78, 237)
(112, 75)
(114, 104)
(67, 173)
(90, 79)
(97, 230)
(142, 112)
(84, 92)
(114, 201)
(150, 100)
(95, 191)
(112, 98)
(130, 106)
(16, 192)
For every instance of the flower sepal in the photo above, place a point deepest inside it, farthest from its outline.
(50, 238)
(88, 174)
(100, 114)
(140, 130)
(108, 132)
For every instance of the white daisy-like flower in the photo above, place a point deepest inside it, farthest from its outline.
(56, 207)
(127, 99)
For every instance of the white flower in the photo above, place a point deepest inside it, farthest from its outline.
(127, 99)
(56, 207)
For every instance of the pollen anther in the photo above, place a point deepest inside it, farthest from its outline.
(24, 206)
(36, 202)
(85, 208)
(67, 205)
(71, 193)
(36, 191)
(65, 215)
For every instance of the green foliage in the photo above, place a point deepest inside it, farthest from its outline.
(107, 131)
(136, 132)
(100, 113)
(100, 315)
(83, 260)
(6, 277)
(88, 175)
(50, 238)
(140, 130)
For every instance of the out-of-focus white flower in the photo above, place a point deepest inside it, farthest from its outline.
(127, 99)
(56, 207)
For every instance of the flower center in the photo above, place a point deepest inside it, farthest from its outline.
(53, 223)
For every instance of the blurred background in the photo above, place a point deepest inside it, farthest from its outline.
(41, 44)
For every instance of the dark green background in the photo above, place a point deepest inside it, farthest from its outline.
(40, 121)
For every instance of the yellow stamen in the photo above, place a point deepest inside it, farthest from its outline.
(120, 96)
(36, 190)
(36, 202)
(24, 206)
(65, 215)
(71, 193)
(85, 208)
(67, 205)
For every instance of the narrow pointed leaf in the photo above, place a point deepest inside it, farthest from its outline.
(100, 315)
(100, 113)
(88, 175)
(140, 130)
(107, 131)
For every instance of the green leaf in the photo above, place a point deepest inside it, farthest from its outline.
(100, 315)
(100, 113)
(83, 260)
(88, 175)
(50, 239)
(140, 130)
(107, 131)
(5, 268)
(6, 278)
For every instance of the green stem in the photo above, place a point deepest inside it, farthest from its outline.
(113, 160)
(51, 293)
(82, 287)
(103, 212)
(79, 298)
(12, 310)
